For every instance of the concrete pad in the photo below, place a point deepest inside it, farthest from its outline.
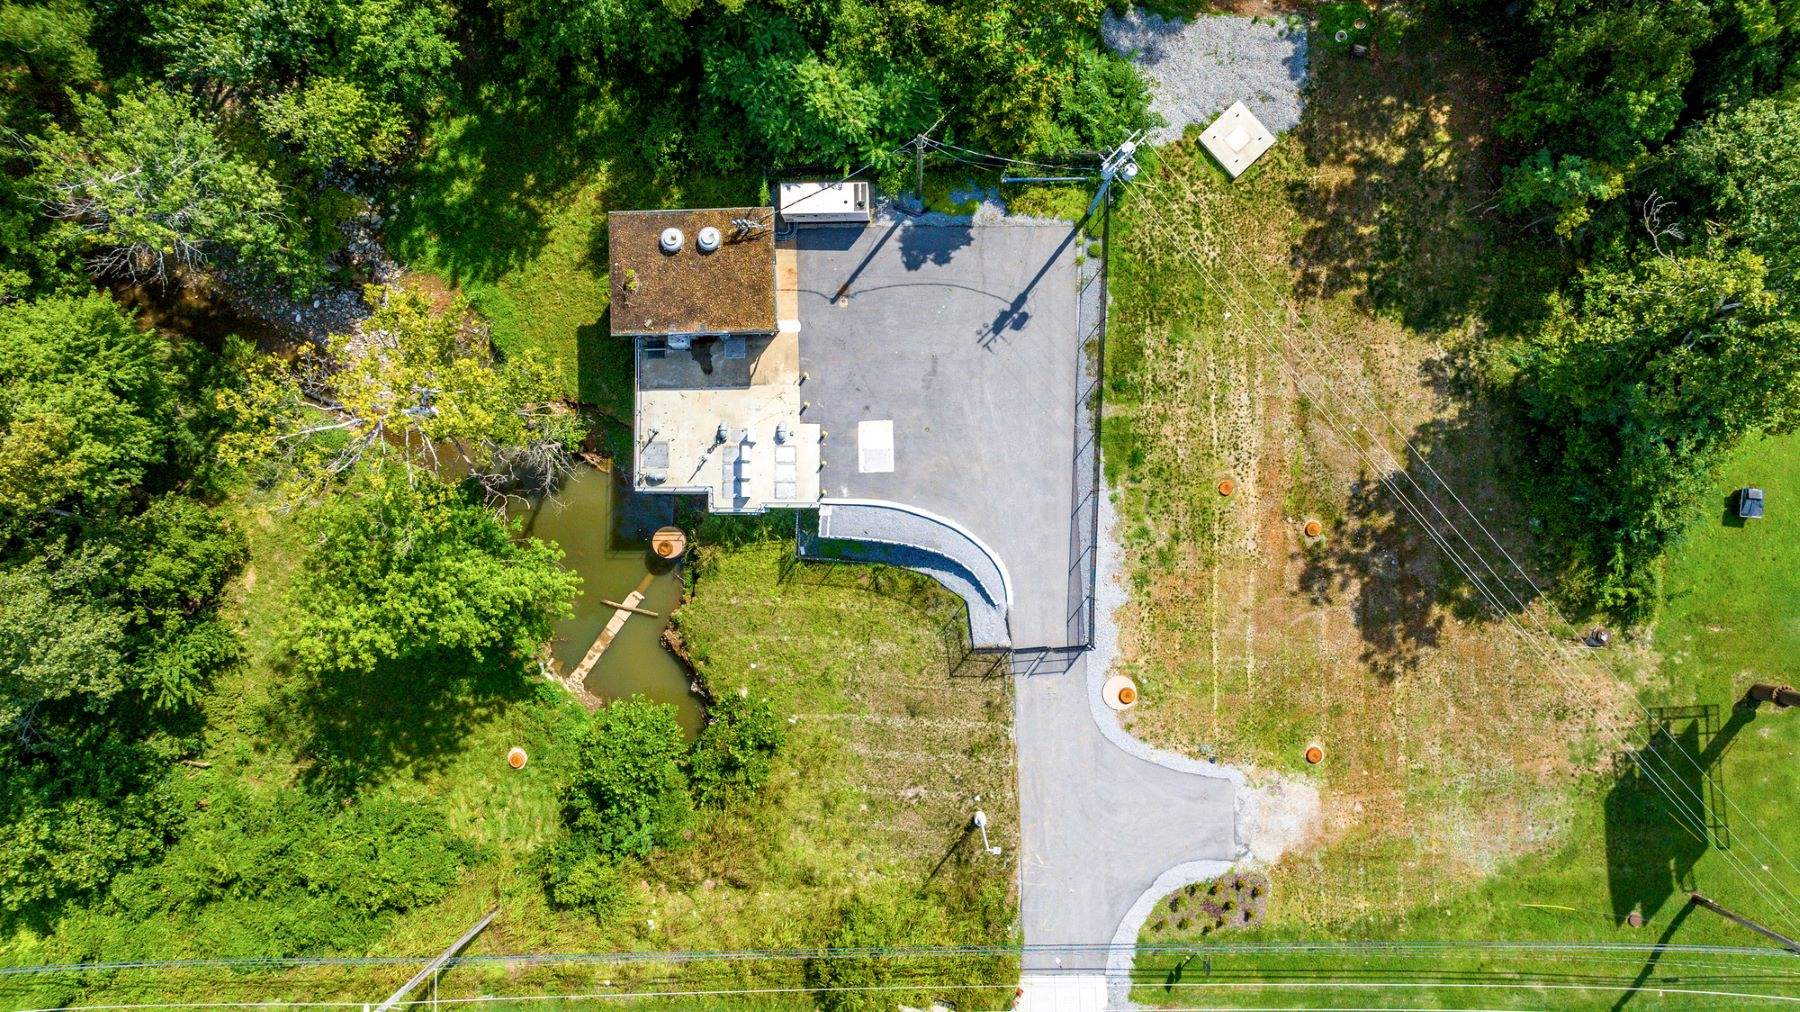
(875, 446)
(1048, 992)
(1237, 139)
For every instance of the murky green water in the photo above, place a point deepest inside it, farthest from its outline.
(604, 532)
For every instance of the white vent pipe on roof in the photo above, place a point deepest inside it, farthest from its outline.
(672, 240)
(707, 239)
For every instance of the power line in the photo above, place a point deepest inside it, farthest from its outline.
(1316, 947)
(1561, 648)
(1466, 569)
(989, 156)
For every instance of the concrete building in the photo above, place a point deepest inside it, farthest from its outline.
(718, 371)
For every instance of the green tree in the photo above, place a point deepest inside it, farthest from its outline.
(338, 79)
(330, 120)
(86, 409)
(627, 793)
(803, 106)
(44, 52)
(146, 192)
(1636, 390)
(416, 384)
(59, 638)
(1738, 169)
(403, 565)
(731, 758)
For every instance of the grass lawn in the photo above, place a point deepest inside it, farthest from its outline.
(872, 796)
(1261, 330)
(1451, 743)
(1728, 620)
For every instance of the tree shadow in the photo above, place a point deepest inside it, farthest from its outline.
(492, 172)
(1401, 210)
(1401, 541)
(933, 244)
(359, 730)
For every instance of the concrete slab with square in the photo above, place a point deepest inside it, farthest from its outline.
(1237, 139)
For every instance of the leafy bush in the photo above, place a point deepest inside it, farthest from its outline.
(731, 757)
(279, 873)
(577, 876)
(628, 793)
(78, 806)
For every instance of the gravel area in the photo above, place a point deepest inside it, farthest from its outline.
(1196, 69)
(331, 310)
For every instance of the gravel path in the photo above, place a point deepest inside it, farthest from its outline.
(1197, 69)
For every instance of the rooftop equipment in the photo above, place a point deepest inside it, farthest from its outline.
(840, 203)
(707, 240)
(671, 240)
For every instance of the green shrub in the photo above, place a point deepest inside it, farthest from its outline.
(578, 877)
(276, 873)
(731, 757)
(628, 793)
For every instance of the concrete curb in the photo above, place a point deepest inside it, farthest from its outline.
(1109, 727)
(1123, 951)
(956, 528)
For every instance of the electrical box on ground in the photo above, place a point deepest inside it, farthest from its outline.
(841, 203)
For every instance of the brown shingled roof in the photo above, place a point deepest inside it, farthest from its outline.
(728, 291)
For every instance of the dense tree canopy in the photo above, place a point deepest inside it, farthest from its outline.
(1637, 387)
(338, 79)
(840, 83)
(109, 587)
(403, 565)
(147, 190)
(1608, 82)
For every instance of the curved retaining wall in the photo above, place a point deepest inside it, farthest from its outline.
(901, 535)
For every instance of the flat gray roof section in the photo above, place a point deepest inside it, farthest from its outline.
(966, 337)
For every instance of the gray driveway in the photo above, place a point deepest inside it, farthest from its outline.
(1099, 824)
(965, 337)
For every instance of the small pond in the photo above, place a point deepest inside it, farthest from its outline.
(604, 532)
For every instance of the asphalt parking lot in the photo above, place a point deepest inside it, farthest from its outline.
(965, 337)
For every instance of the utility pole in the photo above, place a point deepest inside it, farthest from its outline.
(1745, 922)
(1782, 696)
(918, 145)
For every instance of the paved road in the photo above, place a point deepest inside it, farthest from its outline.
(1099, 825)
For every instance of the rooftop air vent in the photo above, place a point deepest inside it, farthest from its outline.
(672, 240)
(707, 239)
